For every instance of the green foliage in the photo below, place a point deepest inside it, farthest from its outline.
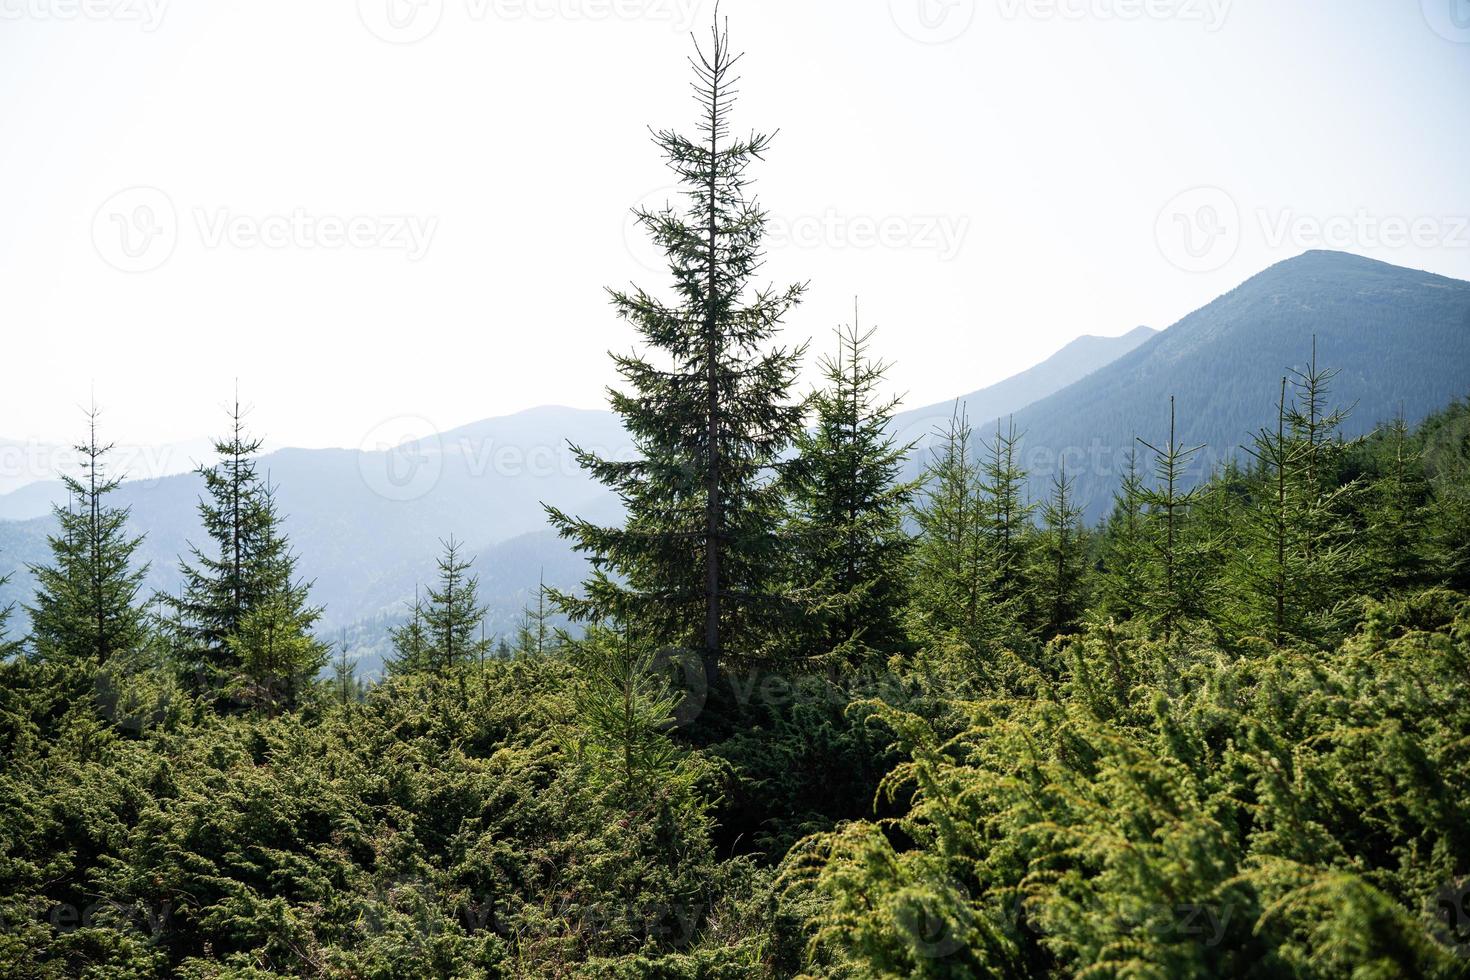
(1173, 810)
(276, 654)
(453, 617)
(1223, 737)
(1174, 583)
(848, 507)
(951, 597)
(1123, 549)
(624, 708)
(1059, 558)
(1295, 560)
(242, 599)
(86, 606)
(534, 635)
(8, 647)
(447, 631)
(407, 835)
(698, 560)
(1008, 529)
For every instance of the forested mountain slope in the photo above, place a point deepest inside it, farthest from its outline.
(1400, 340)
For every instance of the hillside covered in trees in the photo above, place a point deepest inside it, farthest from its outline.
(808, 716)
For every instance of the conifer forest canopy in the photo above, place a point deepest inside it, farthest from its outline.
(827, 693)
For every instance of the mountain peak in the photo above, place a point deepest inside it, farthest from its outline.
(1330, 261)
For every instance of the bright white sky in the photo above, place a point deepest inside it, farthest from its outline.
(1020, 174)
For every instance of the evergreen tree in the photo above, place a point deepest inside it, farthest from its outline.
(624, 711)
(697, 562)
(1174, 586)
(8, 647)
(1008, 529)
(1061, 560)
(1267, 558)
(1124, 552)
(1447, 469)
(86, 598)
(848, 506)
(446, 631)
(411, 647)
(1395, 512)
(277, 658)
(453, 616)
(533, 635)
(249, 564)
(1329, 556)
(1294, 558)
(951, 597)
(346, 687)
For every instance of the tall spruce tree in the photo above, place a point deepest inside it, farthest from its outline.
(1294, 560)
(1395, 511)
(1265, 567)
(697, 561)
(86, 607)
(848, 507)
(273, 655)
(445, 631)
(533, 634)
(248, 563)
(951, 595)
(1061, 560)
(1329, 554)
(1174, 586)
(411, 651)
(1124, 553)
(1008, 530)
(453, 616)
